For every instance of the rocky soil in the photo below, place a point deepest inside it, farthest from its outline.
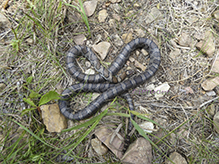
(176, 110)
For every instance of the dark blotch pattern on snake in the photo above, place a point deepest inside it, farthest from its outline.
(104, 82)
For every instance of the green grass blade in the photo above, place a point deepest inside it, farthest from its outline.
(27, 130)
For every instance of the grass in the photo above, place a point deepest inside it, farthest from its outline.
(35, 61)
(32, 144)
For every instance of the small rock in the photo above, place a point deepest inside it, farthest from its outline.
(99, 148)
(215, 66)
(207, 45)
(199, 35)
(29, 41)
(87, 64)
(104, 134)
(89, 72)
(52, 118)
(137, 5)
(2, 86)
(185, 40)
(112, 22)
(153, 15)
(132, 59)
(175, 53)
(116, 17)
(117, 40)
(211, 93)
(4, 22)
(144, 52)
(176, 158)
(150, 88)
(216, 14)
(79, 39)
(210, 84)
(115, 1)
(147, 126)
(89, 7)
(211, 109)
(102, 49)
(94, 96)
(139, 32)
(139, 65)
(127, 37)
(139, 152)
(116, 7)
(189, 90)
(98, 39)
(102, 15)
(161, 90)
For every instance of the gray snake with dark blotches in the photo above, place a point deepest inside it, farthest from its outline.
(97, 82)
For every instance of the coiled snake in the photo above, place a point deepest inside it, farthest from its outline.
(97, 82)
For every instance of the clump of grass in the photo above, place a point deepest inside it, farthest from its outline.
(36, 51)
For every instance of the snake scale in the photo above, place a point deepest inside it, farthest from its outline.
(105, 81)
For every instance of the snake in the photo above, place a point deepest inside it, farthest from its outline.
(105, 81)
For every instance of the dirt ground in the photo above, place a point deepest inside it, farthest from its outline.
(34, 40)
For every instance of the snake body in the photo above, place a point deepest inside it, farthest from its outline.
(98, 82)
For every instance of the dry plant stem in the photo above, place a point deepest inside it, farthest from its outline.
(209, 101)
(116, 133)
(6, 4)
(166, 106)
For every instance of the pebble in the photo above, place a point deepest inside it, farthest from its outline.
(102, 49)
(89, 71)
(153, 15)
(115, 1)
(87, 64)
(147, 126)
(161, 90)
(52, 118)
(2, 86)
(4, 21)
(207, 45)
(99, 148)
(102, 15)
(79, 39)
(117, 40)
(112, 22)
(127, 37)
(185, 40)
(139, 152)
(89, 7)
(139, 32)
(210, 84)
(175, 158)
(216, 14)
(211, 93)
(215, 66)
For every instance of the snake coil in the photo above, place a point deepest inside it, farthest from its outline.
(98, 82)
